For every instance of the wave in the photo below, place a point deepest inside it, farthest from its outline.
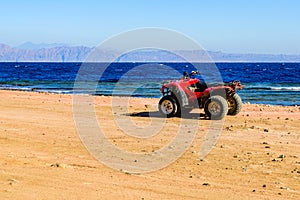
(282, 88)
(286, 88)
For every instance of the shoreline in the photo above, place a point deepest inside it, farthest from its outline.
(42, 156)
(33, 90)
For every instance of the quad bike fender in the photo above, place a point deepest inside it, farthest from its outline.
(176, 90)
(180, 95)
(212, 91)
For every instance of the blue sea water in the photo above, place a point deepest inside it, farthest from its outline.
(265, 83)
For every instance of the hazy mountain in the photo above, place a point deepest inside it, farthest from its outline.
(30, 45)
(29, 52)
(252, 57)
(54, 54)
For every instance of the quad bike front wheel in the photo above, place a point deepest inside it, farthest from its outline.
(234, 104)
(216, 107)
(168, 106)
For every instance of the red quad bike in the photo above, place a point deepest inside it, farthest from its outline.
(180, 97)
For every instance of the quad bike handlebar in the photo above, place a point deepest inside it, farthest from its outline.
(189, 75)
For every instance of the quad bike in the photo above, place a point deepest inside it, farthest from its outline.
(180, 97)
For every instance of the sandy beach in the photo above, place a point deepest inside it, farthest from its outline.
(42, 157)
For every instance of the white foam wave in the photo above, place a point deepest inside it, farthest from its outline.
(286, 88)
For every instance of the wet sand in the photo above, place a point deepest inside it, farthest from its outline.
(42, 157)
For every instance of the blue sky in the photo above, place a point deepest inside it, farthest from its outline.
(237, 26)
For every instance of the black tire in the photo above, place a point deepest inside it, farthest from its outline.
(178, 97)
(216, 107)
(234, 104)
(168, 106)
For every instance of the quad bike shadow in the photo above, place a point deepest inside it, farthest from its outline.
(157, 114)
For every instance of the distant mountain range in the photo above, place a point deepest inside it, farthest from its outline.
(29, 52)
(50, 54)
(30, 45)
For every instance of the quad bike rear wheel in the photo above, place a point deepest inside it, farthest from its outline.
(168, 106)
(234, 104)
(216, 107)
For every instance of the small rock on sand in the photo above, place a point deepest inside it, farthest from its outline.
(281, 156)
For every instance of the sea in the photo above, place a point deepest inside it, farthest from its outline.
(265, 83)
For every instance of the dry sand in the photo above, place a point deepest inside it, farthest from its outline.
(42, 157)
